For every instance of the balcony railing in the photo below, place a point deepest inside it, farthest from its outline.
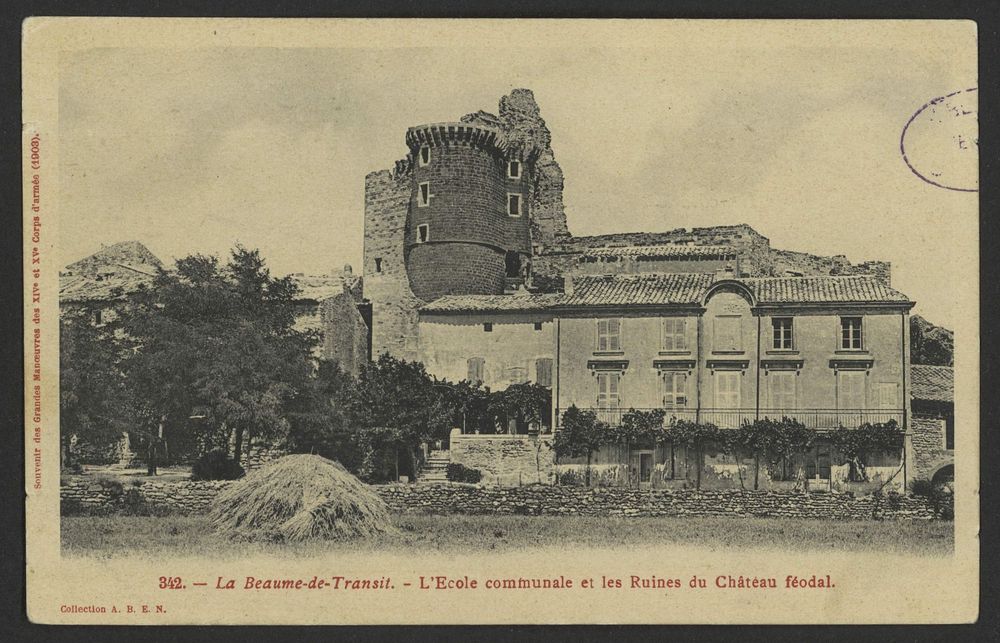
(733, 418)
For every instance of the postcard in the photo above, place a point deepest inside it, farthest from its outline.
(386, 321)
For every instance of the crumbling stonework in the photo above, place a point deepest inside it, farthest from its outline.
(127, 255)
(345, 336)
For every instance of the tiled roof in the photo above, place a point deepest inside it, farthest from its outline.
(492, 303)
(822, 289)
(932, 383)
(653, 289)
(669, 251)
(638, 290)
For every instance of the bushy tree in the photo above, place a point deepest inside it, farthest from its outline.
(855, 446)
(93, 400)
(580, 434)
(524, 403)
(695, 437)
(221, 339)
(765, 438)
(394, 406)
(319, 417)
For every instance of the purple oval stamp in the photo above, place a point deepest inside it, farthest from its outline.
(940, 142)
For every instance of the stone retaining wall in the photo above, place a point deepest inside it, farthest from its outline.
(106, 495)
(611, 501)
(186, 497)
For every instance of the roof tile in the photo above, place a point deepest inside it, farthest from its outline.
(932, 383)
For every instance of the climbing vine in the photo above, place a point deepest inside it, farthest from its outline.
(856, 446)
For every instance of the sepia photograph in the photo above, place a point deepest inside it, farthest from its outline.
(350, 313)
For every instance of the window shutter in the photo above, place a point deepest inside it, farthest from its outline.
(476, 366)
(782, 384)
(727, 389)
(888, 395)
(614, 334)
(543, 371)
(851, 395)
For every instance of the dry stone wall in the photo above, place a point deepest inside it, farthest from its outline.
(611, 501)
(82, 495)
(102, 495)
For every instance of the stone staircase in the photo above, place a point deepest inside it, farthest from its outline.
(435, 469)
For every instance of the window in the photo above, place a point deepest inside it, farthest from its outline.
(425, 155)
(675, 389)
(674, 334)
(850, 333)
(727, 334)
(782, 387)
(378, 264)
(476, 367)
(424, 198)
(851, 390)
(514, 205)
(782, 327)
(517, 375)
(609, 335)
(543, 371)
(888, 395)
(488, 327)
(514, 169)
(727, 389)
(538, 325)
(423, 233)
(98, 318)
(608, 389)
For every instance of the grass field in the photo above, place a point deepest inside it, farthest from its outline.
(178, 535)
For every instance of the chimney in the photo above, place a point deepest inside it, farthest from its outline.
(724, 273)
(568, 284)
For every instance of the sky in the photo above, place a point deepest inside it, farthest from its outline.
(195, 149)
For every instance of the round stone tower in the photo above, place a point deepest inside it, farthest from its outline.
(467, 230)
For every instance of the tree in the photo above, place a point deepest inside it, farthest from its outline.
(765, 437)
(524, 403)
(579, 435)
(696, 437)
(930, 344)
(92, 395)
(395, 406)
(639, 427)
(219, 339)
(857, 445)
(318, 417)
(790, 437)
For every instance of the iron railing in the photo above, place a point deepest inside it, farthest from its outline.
(733, 418)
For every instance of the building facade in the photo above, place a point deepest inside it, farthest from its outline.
(828, 352)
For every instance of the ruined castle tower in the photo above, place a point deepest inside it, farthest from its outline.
(467, 231)
(476, 208)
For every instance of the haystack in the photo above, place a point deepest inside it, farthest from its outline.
(300, 497)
